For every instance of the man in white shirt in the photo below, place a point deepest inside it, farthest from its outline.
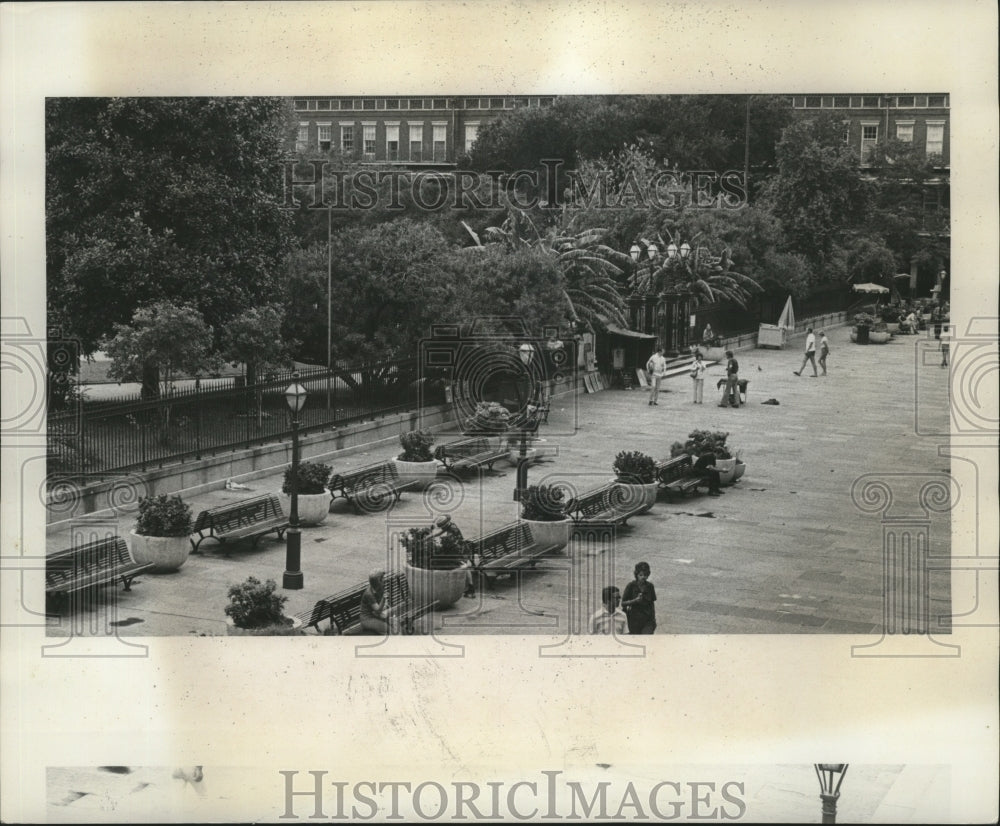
(810, 353)
(657, 369)
(609, 618)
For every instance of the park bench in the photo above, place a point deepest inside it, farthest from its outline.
(249, 519)
(94, 564)
(609, 504)
(371, 488)
(343, 610)
(507, 549)
(673, 476)
(469, 454)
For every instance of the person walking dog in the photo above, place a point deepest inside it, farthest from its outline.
(731, 395)
(657, 369)
(810, 353)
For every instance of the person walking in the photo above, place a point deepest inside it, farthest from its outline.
(945, 344)
(824, 350)
(698, 377)
(609, 619)
(638, 602)
(731, 395)
(810, 355)
(657, 369)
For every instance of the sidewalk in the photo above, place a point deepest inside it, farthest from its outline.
(786, 550)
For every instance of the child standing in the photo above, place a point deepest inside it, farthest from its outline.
(698, 377)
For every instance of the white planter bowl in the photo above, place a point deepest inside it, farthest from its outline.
(639, 494)
(422, 473)
(313, 507)
(166, 553)
(727, 471)
(428, 585)
(550, 533)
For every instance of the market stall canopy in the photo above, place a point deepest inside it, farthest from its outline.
(615, 330)
(870, 288)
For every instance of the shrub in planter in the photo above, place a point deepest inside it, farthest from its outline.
(699, 441)
(634, 468)
(254, 606)
(312, 479)
(488, 418)
(161, 533)
(544, 503)
(417, 446)
(437, 561)
(864, 320)
(163, 516)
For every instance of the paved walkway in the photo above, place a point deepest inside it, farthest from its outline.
(786, 550)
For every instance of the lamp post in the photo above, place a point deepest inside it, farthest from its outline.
(293, 580)
(830, 775)
(526, 352)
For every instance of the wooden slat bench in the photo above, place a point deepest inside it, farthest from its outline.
(94, 564)
(248, 519)
(611, 504)
(507, 549)
(369, 489)
(673, 476)
(469, 454)
(343, 610)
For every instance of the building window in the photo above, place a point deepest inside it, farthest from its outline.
(905, 101)
(813, 101)
(520, 103)
(869, 137)
(472, 103)
(416, 103)
(392, 141)
(323, 104)
(347, 138)
(346, 103)
(546, 101)
(300, 104)
(471, 131)
(440, 103)
(496, 103)
(368, 103)
(440, 141)
(935, 138)
(313, 104)
(936, 100)
(869, 101)
(302, 137)
(325, 136)
(416, 131)
(841, 101)
(368, 137)
(392, 103)
(904, 131)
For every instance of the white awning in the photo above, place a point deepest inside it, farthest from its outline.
(615, 330)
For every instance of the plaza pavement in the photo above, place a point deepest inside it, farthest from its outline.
(785, 550)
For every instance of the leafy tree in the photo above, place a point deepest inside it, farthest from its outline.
(254, 339)
(168, 338)
(818, 192)
(162, 198)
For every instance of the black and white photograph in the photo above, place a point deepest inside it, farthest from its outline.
(495, 338)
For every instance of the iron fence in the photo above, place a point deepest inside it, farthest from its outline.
(220, 415)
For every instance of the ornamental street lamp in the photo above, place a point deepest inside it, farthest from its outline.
(293, 580)
(830, 775)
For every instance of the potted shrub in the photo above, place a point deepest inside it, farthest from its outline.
(879, 333)
(437, 562)
(256, 610)
(863, 323)
(162, 531)
(314, 498)
(729, 464)
(417, 463)
(490, 419)
(543, 507)
(636, 473)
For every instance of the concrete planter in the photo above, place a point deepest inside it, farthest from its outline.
(286, 629)
(531, 454)
(428, 585)
(166, 553)
(879, 336)
(422, 473)
(313, 507)
(550, 533)
(635, 494)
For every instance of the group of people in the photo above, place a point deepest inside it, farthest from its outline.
(656, 368)
(810, 354)
(633, 612)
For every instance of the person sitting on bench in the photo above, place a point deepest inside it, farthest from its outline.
(704, 469)
(374, 611)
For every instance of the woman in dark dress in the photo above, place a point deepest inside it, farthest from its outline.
(638, 602)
